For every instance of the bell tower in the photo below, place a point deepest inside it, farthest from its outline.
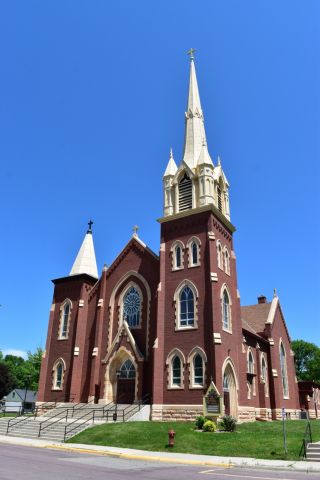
(199, 325)
(197, 182)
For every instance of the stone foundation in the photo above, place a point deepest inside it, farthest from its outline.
(176, 413)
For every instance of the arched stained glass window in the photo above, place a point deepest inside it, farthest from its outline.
(225, 383)
(178, 256)
(176, 371)
(283, 365)
(220, 256)
(58, 376)
(226, 311)
(127, 370)
(194, 253)
(186, 307)
(263, 370)
(198, 369)
(132, 307)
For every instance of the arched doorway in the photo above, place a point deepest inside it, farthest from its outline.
(126, 382)
(230, 398)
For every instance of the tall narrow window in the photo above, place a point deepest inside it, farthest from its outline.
(198, 369)
(194, 253)
(250, 364)
(263, 370)
(219, 254)
(226, 261)
(176, 371)
(284, 375)
(186, 307)
(226, 311)
(185, 193)
(58, 370)
(178, 256)
(132, 307)
(219, 198)
(64, 320)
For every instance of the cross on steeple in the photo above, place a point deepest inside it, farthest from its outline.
(90, 223)
(191, 53)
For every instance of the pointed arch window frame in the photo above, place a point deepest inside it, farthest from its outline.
(191, 242)
(123, 294)
(55, 386)
(226, 260)
(179, 289)
(196, 351)
(173, 251)
(225, 290)
(176, 352)
(220, 259)
(264, 373)
(284, 371)
(64, 322)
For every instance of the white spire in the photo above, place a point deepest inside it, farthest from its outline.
(204, 158)
(171, 167)
(195, 132)
(86, 258)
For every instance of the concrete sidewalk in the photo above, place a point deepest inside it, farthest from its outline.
(172, 457)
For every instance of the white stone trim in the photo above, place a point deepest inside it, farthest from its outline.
(175, 244)
(81, 303)
(176, 298)
(95, 351)
(76, 351)
(217, 338)
(171, 355)
(211, 236)
(190, 362)
(213, 277)
(224, 288)
(197, 241)
(219, 255)
(54, 374)
(272, 311)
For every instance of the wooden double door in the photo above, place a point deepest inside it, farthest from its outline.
(126, 390)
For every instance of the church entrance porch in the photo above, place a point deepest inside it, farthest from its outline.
(121, 378)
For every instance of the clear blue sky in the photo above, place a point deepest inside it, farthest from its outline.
(93, 95)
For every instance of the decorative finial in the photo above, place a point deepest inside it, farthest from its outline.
(275, 292)
(135, 231)
(90, 223)
(105, 267)
(219, 161)
(191, 53)
(171, 153)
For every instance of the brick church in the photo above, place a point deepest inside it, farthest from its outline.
(164, 325)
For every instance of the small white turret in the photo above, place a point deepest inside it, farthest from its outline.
(167, 185)
(85, 261)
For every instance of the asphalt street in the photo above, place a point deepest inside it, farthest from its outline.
(30, 463)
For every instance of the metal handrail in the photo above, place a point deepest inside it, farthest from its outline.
(305, 442)
(92, 413)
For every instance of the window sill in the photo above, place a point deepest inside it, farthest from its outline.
(177, 269)
(286, 398)
(63, 338)
(172, 387)
(195, 265)
(56, 389)
(184, 328)
(227, 330)
(196, 387)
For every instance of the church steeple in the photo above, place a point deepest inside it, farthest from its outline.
(195, 133)
(196, 182)
(85, 261)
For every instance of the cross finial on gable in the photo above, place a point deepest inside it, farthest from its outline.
(135, 231)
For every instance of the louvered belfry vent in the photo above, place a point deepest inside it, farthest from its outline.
(185, 193)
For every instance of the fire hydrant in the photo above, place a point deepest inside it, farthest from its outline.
(171, 435)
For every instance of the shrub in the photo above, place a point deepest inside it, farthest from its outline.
(228, 423)
(209, 426)
(200, 420)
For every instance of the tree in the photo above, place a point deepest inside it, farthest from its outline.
(307, 360)
(25, 373)
(6, 380)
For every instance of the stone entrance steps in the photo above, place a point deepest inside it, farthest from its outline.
(66, 420)
(313, 452)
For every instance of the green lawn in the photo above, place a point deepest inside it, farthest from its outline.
(258, 439)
